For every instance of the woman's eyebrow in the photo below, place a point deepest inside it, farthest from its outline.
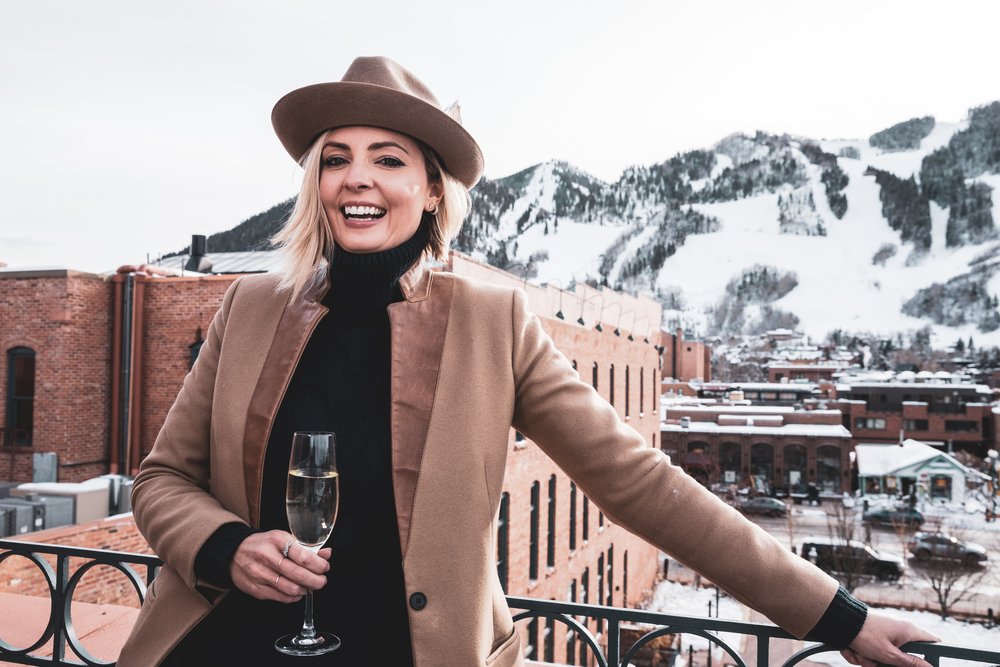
(387, 144)
(340, 146)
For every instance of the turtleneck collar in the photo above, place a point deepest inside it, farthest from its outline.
(371, 280)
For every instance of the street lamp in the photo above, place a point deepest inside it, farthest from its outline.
(583, 303)
(559, 286)
(618, 331)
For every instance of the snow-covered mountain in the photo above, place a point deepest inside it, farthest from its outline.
(883, 235)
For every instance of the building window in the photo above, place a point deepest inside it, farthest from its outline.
(574, 364)
(533, 544)
(611, 386)
(600, 580)
(869, 423)
(585, 599)
(503, 540)
(642, 391)
(550, 555)
(20, 396)
(627, 389)
(518, 436)
(586, 519)
(572, 516)
(611, 576)
(194, 349)
(625, 580)
(960, 426)
(593, 376)
(653, 394)
(600, 520)
(914, 424)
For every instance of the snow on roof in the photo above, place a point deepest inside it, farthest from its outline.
(800, 430)
(878, 460)
(979, 388)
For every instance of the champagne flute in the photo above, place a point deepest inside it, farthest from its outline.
(311, 503)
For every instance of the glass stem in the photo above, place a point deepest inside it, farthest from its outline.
(308, 629)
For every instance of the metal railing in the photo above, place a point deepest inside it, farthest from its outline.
(606, 648)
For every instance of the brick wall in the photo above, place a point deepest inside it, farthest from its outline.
(174, 310)
(102, 584)
(65, 317)
(526, 464)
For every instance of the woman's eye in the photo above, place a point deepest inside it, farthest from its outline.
(333, 161)
(390, 161)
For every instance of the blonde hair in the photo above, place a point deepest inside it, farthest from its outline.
(305, 241)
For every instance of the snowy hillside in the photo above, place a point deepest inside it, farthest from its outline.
(886, 235)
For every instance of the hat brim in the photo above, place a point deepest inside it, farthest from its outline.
(303, 114)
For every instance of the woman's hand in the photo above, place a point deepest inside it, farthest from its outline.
(260, 569)
(878, 641)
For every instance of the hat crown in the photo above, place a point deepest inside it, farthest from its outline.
(385, 72)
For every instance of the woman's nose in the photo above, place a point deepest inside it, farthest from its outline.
(358, 176)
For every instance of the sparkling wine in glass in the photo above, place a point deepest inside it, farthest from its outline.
(311, 502)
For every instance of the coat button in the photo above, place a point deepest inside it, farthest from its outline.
(418, 601)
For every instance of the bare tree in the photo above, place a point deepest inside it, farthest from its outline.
(953, 576)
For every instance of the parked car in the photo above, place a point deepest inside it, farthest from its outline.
(854, 557)
(899, 516)
(925, 546)
(765, 506)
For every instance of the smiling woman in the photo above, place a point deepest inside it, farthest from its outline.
(422, 375)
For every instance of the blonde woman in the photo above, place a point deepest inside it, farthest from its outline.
(421, 375)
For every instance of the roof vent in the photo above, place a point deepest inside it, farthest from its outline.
(198, 260)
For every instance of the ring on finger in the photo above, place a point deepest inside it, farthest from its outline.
(288, 545)
(278, 566)
(276, 581)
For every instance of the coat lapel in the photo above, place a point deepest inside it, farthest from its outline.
(418, 327)
(298, 320)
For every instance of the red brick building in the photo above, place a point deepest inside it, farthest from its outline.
(768, 448)
(685, 360)
(110, 354)
(959, 416)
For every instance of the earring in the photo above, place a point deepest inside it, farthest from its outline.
(434, 210)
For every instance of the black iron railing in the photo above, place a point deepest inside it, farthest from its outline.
(606, 650)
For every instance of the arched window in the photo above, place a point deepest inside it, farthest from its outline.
(533, 544)
(503, 540)
(625, 580)
(611, 388)
(642, 391)
(828, 468)
(794, 463)
(627, 390)
(20, 396)
(550, 554)
(593, 379)
(586, 519)
(572, 516)
(762, 464)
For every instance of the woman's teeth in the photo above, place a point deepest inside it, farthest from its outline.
(363, 212)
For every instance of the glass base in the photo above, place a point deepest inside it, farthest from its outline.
(323, 642)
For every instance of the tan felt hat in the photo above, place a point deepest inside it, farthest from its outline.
(379, 92)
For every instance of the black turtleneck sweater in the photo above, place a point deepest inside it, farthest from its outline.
(341, 384)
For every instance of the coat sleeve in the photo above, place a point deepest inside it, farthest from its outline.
(638, 487)
(171, 501)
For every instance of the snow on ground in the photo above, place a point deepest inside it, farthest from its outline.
(678, 599)
(574, 249)
(907, 163)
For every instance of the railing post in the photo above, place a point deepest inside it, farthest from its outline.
(614, 642)
(60, 609)
(763, 647)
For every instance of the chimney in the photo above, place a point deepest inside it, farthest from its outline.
(198, 261)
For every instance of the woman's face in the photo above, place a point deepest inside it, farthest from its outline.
(373, 186)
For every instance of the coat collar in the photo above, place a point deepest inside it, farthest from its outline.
(416, 360)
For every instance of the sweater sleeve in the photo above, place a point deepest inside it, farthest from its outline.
(212, 562)
(841, 622)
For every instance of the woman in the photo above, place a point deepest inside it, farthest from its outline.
(421, 375)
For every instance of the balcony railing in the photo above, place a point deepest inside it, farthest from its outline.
(606, 651)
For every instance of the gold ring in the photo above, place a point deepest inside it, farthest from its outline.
(288, 545)
(278, 567)
(276, 581)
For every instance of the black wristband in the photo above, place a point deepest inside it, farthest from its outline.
(841, 622)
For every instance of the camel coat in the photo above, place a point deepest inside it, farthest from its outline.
(468, 362)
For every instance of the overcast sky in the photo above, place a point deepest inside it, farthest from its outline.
(125, 128)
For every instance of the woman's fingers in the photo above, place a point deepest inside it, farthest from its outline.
(880, 638)
(261, 569)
